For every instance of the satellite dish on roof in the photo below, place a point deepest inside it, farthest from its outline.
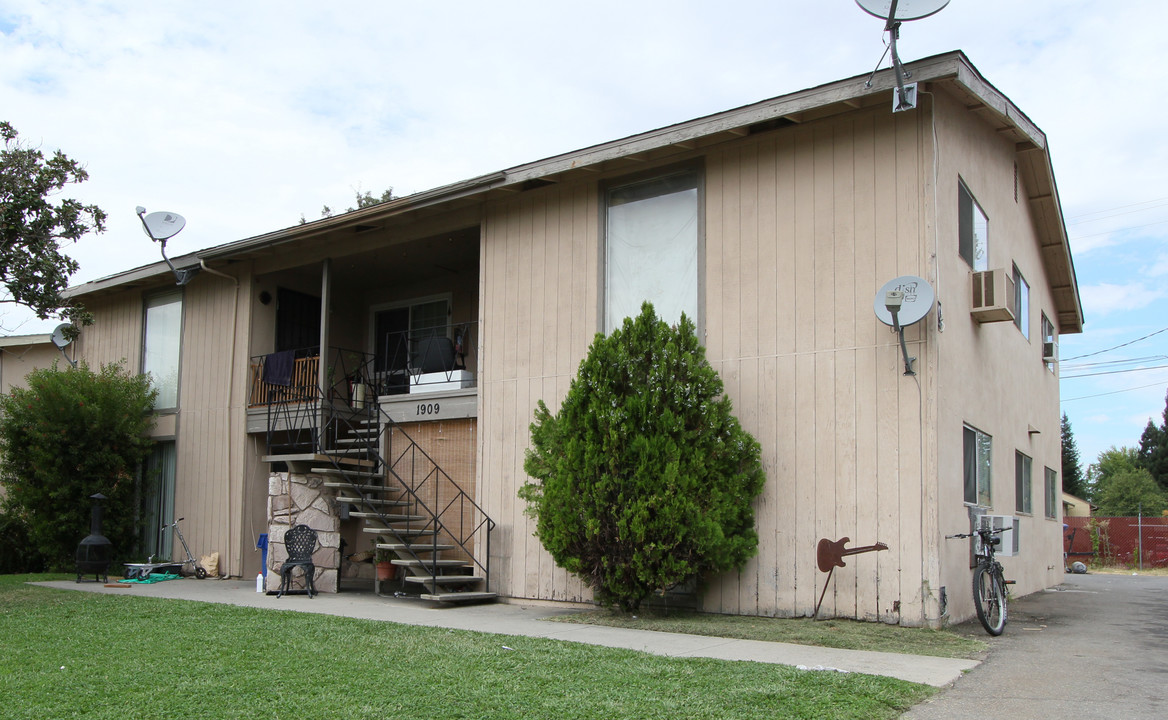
(905, 9)
(893, 13)
(162, 226)
(901, 302)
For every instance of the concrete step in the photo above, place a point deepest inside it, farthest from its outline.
(459, 597)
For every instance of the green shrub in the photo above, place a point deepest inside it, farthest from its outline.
(67, 435)
(16, 553)
(644, 478)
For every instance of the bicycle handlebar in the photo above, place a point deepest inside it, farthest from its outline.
(980, 531)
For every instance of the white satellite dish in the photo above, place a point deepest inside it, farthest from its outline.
(59, 338)
(893, 13)
(917, 298)
(905, 9)
(162, 226)
(901, 302)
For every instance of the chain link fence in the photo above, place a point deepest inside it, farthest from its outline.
(1131, 542)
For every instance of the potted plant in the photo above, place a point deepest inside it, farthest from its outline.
(386, 570)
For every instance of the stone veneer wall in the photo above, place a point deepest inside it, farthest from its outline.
(295, 498)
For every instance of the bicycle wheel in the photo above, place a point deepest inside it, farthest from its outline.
(989, 598)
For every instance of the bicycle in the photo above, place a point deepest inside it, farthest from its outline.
(989, 584)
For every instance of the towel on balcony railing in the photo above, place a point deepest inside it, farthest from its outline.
(278, 367)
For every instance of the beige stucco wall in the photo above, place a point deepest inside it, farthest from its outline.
(990, 376)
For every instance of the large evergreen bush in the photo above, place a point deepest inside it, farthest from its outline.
(644, 478)
(69, 434)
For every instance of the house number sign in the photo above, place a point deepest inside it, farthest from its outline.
(421, 409)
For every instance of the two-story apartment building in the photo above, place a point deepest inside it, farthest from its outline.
(452, 312)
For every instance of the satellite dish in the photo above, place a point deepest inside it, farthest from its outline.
(916, 300)
(905, 9)
(59, 338)
(163, 225)
(903, 301)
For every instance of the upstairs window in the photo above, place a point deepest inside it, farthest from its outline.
(161, 346)
(1049, 343)
(978, 463)
(1021, 303)
(972, 230)
(651, 248)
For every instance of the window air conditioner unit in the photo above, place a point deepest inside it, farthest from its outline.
(993, 296)
(1010, 542)
(1050, 352)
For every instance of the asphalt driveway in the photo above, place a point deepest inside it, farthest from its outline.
(1095, 647)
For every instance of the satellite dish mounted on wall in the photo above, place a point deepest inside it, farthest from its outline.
(893, 13)
(901, 302)
(62, 336)
(160, 227)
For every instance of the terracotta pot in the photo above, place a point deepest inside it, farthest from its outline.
(386, 570)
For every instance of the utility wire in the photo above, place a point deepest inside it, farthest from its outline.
(1113, 372)
(1130, 342)
(1113, 392)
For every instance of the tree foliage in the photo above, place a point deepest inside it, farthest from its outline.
(72, 433)
(1073, 480)
(1130, 492)
(1152, 454)
(33, 267)
(364, 199)
(644, 478)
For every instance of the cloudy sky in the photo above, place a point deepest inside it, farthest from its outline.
(246, 116)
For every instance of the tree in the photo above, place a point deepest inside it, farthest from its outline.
(1111, 462)
(1073, 480)
(644, 478)
(1152, 454)
(72, 433)
(1130, 492)
(32, 229)
(364, 200)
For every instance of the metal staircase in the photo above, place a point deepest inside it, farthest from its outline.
(413, 509)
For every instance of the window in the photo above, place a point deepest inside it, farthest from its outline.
(161, 346)
(1021, 303)
(978, 456)
(399, 330)
(651, 248)
(972, 230)
(1049, 344)
(1051, 493)
(1022, 502)
(157, 509)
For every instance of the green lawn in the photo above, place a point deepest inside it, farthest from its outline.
(846, 634)
(70, 654)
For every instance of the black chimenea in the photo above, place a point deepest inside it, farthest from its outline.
(93, 554)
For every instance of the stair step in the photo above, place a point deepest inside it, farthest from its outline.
(388, 518)
(313, 458)
(469, 596)
(346, 473)
(413, 532)
(415, 548)
(364, 488)
(443, 579)
(371, 501)
(411, 563)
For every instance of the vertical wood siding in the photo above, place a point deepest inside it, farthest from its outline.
(802, 227)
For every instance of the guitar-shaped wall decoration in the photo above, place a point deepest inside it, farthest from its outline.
(830, 555)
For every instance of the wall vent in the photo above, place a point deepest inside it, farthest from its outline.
(993, 296)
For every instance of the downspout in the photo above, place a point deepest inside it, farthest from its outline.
(234, 522)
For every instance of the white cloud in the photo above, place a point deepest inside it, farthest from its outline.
(1106, 298)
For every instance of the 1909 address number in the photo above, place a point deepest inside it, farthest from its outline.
(427, 409)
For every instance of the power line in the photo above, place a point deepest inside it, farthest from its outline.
(1130, 342)
(1120, 207)
(1113, 372)
(1113, 392)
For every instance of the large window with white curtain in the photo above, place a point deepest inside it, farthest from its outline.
(161, 346)
(652, 235)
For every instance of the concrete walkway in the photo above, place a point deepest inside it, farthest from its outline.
(531, 621)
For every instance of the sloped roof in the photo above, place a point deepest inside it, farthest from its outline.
(951, 70)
